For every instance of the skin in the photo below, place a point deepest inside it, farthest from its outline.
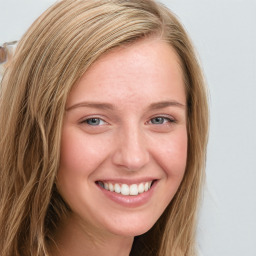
(125, 91)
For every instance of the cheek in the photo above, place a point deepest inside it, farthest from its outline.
(80, 158)
(80, 154)
(172, 154)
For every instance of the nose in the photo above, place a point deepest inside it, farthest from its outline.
(131, 150)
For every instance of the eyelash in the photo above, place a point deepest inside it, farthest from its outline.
(86, 121)
(98, 120)
(163, 118)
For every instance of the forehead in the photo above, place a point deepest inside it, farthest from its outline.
(146, 69)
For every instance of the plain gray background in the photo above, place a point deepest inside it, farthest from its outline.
(224, 34)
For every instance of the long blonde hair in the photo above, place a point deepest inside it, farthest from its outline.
(53, 54)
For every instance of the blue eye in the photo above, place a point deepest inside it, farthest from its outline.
(161, 120)
(94, 121)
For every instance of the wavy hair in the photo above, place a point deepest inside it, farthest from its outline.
(51, 56)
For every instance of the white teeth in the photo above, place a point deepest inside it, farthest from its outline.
(111, 187)
(106, 186)
(146, 186)
(141, 188)
(117, 188)
(124, 189)
(134, 190)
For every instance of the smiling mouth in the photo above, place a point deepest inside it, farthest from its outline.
(124, 189)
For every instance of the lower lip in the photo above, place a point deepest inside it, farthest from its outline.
(130, 201)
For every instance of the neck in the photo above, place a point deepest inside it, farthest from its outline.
(76, 239)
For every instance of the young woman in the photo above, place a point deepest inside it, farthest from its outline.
(104, 121)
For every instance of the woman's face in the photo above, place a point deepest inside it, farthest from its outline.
(124, 139)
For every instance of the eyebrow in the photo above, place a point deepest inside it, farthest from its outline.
(164, 104)
(108, 106)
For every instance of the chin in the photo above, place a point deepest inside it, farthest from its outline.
(132, 228)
